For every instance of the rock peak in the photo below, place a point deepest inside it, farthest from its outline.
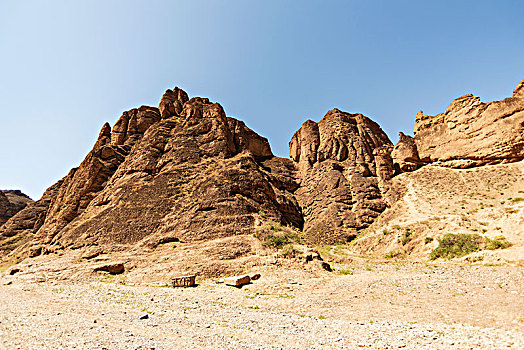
(519, 89)
(172, 102)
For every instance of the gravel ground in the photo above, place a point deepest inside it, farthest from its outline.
(380, 306)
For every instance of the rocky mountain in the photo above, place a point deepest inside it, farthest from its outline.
(343, 165)
(11, 202)
(186, 172)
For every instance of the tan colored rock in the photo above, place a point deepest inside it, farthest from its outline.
(405, 154)
(237, 281)
(113, 268)
(11, 202)
(20, 228)
(472, 133)
(343, 161)
(172, 102)
(198, 174)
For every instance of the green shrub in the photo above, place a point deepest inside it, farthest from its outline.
(458, 245)
(395, 254)
(273, 226)
(280, 239)
(288, 251)
(500, 242)
(406, 237)
(517, 199)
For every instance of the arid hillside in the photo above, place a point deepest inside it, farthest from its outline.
(185, 172)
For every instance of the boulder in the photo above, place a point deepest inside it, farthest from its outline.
(237, 281)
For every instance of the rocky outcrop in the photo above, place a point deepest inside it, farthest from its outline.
(11, 202)
(172, 102)
(21, 228)
(405, 154)
(343, 165)
(473, 133)
(185, 169)
(132, 125)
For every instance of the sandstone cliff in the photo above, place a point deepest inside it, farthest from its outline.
(343, 165)
(473, 133)
(183, 170)
(11, 202)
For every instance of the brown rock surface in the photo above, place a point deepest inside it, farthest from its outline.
(21, 228)
(172, 102)
(194, 173)
(405, 154)
(11, 202)
(472, 133)
(343, 163)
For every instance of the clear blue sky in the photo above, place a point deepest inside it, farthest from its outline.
(66, 67)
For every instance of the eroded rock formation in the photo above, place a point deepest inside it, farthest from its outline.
(405, 154)
(472, 133)
(11, 202)
(343, 165)
(186, 171)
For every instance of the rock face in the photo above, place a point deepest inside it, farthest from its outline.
(11, 202)
(186, 172)
(21, 228)
(343, 165)
(184, 169)
(473, 133)
(405, 154)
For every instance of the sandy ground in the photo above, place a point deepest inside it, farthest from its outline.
(360, 305)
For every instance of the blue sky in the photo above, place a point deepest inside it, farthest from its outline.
(66, 67)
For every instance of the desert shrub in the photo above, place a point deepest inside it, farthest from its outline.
(273, 226)
(289, 251)
(345, 271)
(280, 239)
(500, 242)
(428, 240)
(406, 237)
(517, 199)
(457, 245)
(395, 254)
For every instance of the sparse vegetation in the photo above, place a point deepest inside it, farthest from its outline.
(517, 199)
(428, 240)
(499, 242)
(406, 237)
(458, 245)
(395, 254)
(279, 240)
(345, 271)
(289, 251)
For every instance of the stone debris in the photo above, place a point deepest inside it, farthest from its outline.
(183, 281)
(237, 281)
(112, 268)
